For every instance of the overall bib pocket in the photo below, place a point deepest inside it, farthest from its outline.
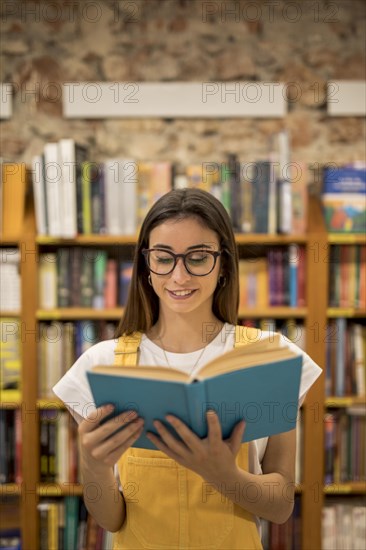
(173, 507)
(153, 513)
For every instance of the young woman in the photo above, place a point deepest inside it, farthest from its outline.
(181, 312)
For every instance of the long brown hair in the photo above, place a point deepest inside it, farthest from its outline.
(142, 309)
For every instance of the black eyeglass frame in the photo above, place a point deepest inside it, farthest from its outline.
(213, 253)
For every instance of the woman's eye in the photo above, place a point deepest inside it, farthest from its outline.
(164, 259)
(198, 259)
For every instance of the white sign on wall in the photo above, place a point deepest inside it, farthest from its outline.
(174, 99)
(346, 98)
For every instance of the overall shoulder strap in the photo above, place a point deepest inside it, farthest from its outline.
(245, 335)
(127, 348)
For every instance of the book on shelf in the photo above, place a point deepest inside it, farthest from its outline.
(59, 461)
(253, 283)
(154, 179)
(246, 380)
(262, 179)
(232, 178)
(120, 177)
(53, 180)
(61, 343)
(13, 188)
(345, 454)
(10, 291)
(344, 199)
(91, 210)
(345, 372)
(344, 524)
(299, 179)
(66, 523)
(82, 277)
(246, 198)
(10, 539)
(10, 446)
(10, 359)
(47, 281)
(284, 190)
(39, 194)
(74, 195)
(277, 279)
(56, 176)
(347, 276)
(125, 276)
(71, 158)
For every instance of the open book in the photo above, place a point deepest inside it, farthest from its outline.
(258, 382)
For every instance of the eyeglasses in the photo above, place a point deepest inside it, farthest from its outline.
(197, 262)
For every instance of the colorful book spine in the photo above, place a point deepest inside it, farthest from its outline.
(344, 200)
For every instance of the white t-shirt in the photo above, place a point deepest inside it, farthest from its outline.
(73, 389)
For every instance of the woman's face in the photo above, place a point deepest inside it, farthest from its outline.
(179, 291)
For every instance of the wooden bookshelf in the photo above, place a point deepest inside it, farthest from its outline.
(314, 316)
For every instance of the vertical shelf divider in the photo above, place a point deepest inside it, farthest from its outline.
(29, 413)
(313, 429)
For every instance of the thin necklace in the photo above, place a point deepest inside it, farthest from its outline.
(167, 360)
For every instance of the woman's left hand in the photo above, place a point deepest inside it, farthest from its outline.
(212, 457)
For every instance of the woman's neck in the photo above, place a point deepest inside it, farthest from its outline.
(184, 333)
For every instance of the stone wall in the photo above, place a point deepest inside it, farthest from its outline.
(306, 43)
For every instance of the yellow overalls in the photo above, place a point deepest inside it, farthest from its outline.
(170, 507)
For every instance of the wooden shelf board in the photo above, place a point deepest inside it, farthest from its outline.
(259, 238)
(13, 314)
(59, 489)
(9, 403)
(50, 403)
(351, 488)
(347, 401)
(343, 238)
(334, 312)
(10, 489)
(95, 239)
(87, 240)
(273, 312)
(9, 240)
(75, 313)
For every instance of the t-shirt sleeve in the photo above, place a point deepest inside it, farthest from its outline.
(310, 370)
(73, 388)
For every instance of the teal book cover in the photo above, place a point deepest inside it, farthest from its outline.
(265, 395)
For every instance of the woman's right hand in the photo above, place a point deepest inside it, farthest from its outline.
(100, 444)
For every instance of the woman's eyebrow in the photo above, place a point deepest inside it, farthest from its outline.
(193, 247)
